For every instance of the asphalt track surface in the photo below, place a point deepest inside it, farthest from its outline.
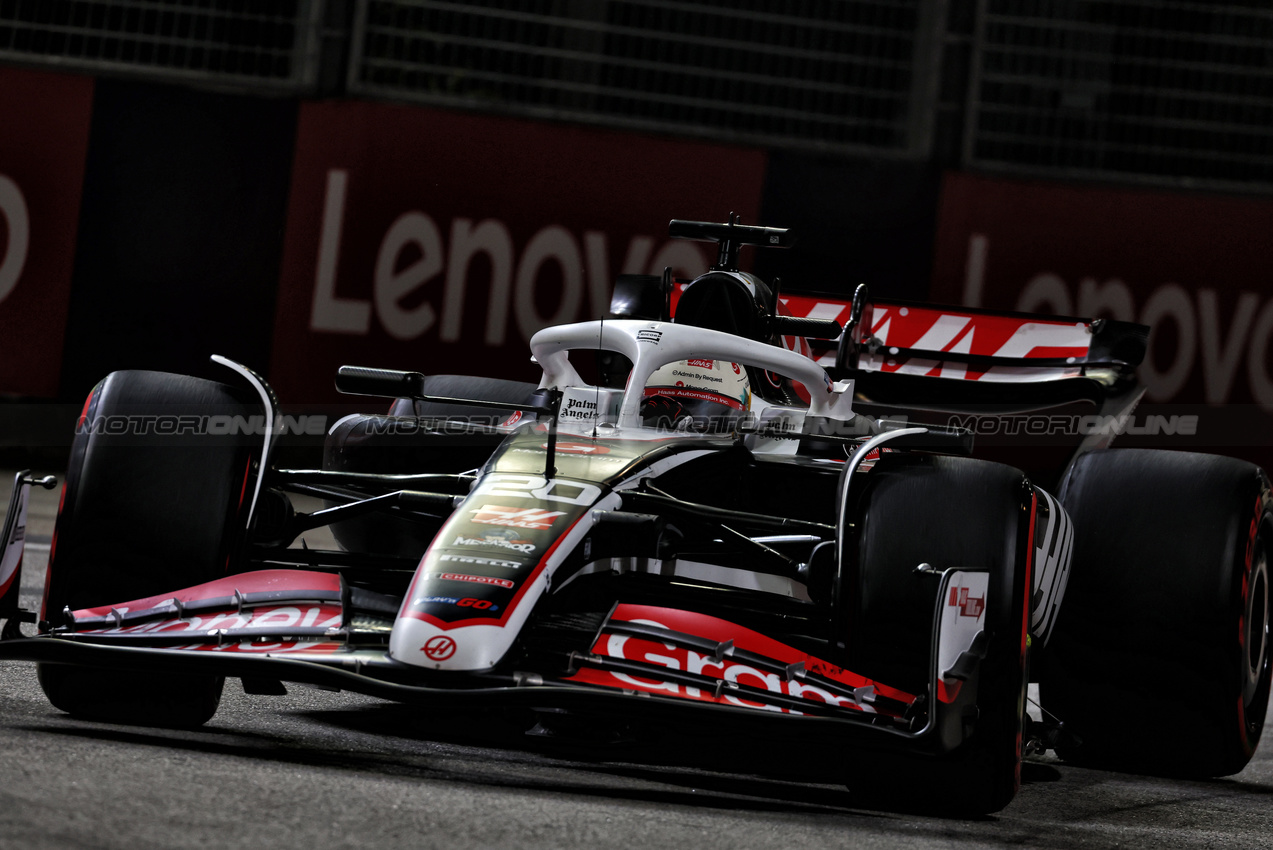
(315, 769)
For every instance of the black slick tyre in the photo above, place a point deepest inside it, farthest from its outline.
(946, 512)
(154, 501)
(1160, 661)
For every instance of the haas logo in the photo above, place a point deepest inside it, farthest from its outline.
(516, 517)
(439, 647)
(969, 606)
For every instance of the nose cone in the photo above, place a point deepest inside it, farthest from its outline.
(468, 649)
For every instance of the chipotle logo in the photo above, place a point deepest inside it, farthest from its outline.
(494, 582)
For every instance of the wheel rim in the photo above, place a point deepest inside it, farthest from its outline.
(1256, 636)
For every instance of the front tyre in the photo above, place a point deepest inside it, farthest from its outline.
(155, 500)
(947, 512)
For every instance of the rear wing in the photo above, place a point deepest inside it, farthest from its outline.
(851, 335)
(971, 344)
(927, 340)
(939, 341)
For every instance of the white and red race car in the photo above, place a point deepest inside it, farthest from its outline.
(708, 511)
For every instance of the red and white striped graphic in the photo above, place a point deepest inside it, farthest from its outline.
(898, 328)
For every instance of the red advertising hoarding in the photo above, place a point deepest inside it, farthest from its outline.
(1195, 268)
(44, 123)
(439, 242)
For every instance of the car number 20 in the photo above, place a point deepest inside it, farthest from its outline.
(537, 487)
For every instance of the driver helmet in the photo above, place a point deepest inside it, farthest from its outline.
(697, 395)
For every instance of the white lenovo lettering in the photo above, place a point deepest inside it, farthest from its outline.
(492, 240)
(550, 244)
(329, 313)
(412, 253)
(1210, 333)
(391, 286)
(13, 211)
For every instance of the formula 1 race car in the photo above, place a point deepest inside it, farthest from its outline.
(754, 513)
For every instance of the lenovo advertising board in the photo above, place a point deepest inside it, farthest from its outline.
(44, 123)
(440, 242)
(1195, 268)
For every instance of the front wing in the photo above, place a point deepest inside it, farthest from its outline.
(647, 662)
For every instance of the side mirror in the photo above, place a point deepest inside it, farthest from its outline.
(390, 383)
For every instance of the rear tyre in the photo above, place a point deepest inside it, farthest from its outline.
(1160, 661)
(154, 501)
(947, 512)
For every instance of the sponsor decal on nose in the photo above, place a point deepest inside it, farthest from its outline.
(497, 582)
(516, 517)
(969, 606)
(439, 648)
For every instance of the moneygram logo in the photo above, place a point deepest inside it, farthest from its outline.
(498, 540)
(534, 518)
